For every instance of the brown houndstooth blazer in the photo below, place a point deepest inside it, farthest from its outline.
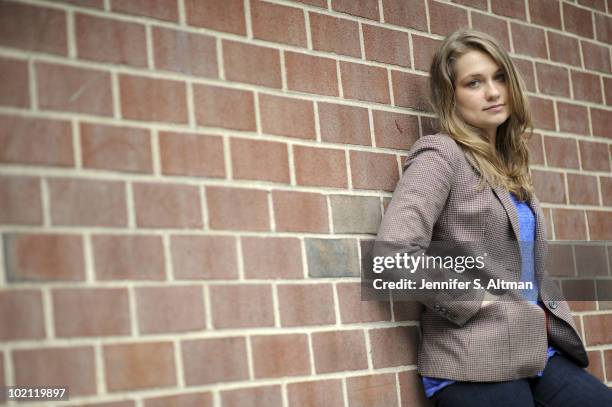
(436, 200)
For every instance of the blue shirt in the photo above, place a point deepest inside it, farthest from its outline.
(527, 227)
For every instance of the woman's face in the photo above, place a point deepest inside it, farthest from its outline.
(481, 92)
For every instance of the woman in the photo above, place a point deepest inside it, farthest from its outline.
(470, 183)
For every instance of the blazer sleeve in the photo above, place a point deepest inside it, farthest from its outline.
(407, 226)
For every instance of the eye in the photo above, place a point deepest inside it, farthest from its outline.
(501, 77)
(472, 84)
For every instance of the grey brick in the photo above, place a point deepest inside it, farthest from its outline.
(332, 257)
(355, 214)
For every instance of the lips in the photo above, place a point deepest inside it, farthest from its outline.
(491, 107)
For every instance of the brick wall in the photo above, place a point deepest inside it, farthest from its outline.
(186, 187)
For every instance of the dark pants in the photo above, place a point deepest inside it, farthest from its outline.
(563, 384)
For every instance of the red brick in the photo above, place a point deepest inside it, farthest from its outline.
(496, 27)
(395, 130)
(600, 120)
(218, 15)
(353, 310)
(412, 392)
(595, 156)
(386, 46)
(595, 364)
(445, 18)
(586, 87)
(406, 13)
(393, 346)
(165, 205)
(569, 224)
(529, 40)
(124, 43)
(344, 124)
(481, 4)
(203, 399)
(91, 312)
(265, 18)
(232, 306)
(131, 366)
(553, 80)
(606, 190)
(407, 310)
(573, 118)
(170, 309)
(33, 28)
(546, 13)
(608, 362)
(590, 261)
(203, 257)
(280, 355)
(315, 393)
(14, 85)
(238, 209)
(536, 149)
(99, 4)
(196, 155)
(316, 166)
(603, 28)
(311, 74)
(251, 64)
(128, 257)
(15, 192)
(224, 107)
(364, 82)
(372, 391)
(32, 141)
(374, 170)
(582, 189)
(72, 367)
(247, 162)
(300, 212)
(596, 57)
(598, 329)
(423, 49)
(306, 304)
(287, 117)
(561, 152)
(608, 90)
(337, 351)
(543, 113)
(153, 100)
(525, 71)
(78, 90)
(44, 257)
(509, 8)
(595, 4)
(550, 186)
(184, 52)
(116, 148)
(337, 35)
(578, 20)
(253, 397)
(21, 315)
(365, 8)
(128, 403)
(600, 225)
(2, 379)
(272, 258)
(559, 44)
(84, 202)
(419, 90)
(159, 9)
(226, 360)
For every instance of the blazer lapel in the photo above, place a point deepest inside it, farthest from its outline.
(504, 197)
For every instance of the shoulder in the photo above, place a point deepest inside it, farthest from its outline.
(435, 146)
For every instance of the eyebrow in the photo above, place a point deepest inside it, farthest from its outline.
(500, 70)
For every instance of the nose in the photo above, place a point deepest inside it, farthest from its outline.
(492, 91)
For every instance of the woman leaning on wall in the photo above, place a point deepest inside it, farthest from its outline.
(470, 183)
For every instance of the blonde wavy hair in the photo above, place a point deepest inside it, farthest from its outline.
(507, 164)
